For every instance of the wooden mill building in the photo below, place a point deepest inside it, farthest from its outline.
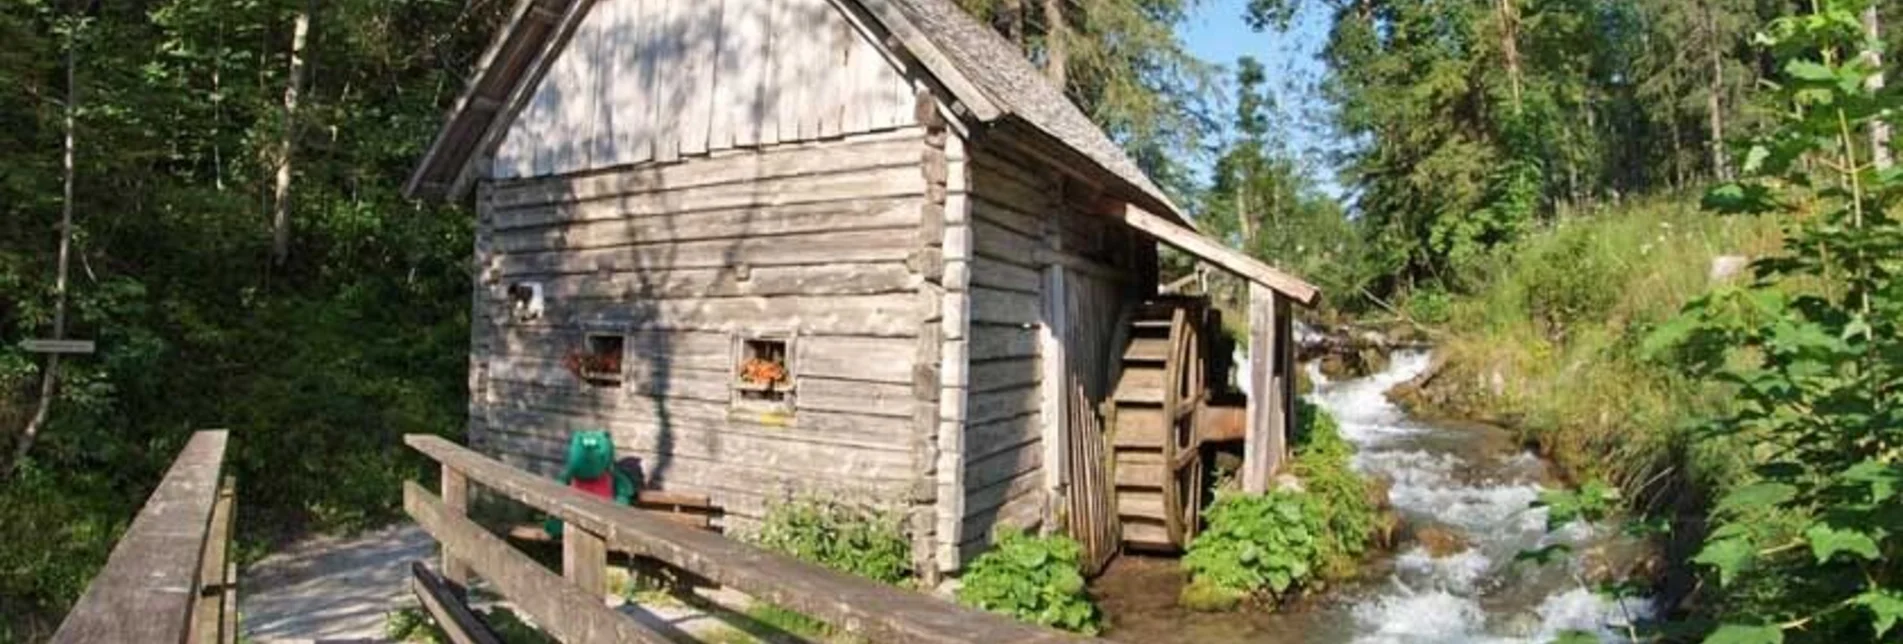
(840, 247)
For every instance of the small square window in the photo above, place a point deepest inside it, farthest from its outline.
(763, 373)
(598, 362)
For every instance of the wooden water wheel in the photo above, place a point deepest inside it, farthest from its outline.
(1156, 448)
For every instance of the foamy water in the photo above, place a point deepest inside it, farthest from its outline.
(1447, 478)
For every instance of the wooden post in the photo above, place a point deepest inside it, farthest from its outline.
(1284, 433)
(456, 498)
(1052, 390)
(585, 561)
(208, 621)
(1262, 446)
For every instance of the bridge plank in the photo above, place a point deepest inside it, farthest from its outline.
(153, 572)
(852, 604)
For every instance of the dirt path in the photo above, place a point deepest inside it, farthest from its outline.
(337, 589)
(331, 588)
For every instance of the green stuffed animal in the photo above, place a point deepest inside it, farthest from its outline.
(591, 468)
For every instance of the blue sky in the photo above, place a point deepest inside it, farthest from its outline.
(1217, 33)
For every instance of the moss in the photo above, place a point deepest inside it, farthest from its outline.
(1207, 597)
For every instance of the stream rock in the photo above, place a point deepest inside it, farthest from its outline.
(1441, 541)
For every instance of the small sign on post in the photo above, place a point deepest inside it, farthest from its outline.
(57, 346)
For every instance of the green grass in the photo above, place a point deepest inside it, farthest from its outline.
(1548, 342)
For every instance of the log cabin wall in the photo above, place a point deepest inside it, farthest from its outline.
(687, 176)
(1025, 216)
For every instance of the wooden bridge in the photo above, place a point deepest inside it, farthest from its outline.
(169, 578)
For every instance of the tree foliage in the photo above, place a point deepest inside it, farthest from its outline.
(1807, 547)
(359, 339)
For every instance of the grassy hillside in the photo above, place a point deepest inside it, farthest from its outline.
(1548, 342)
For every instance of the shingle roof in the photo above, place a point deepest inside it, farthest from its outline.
(997, 68)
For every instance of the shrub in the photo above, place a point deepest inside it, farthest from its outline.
(1256, 544)
(860, 540)
(1322, 462)
(1034, 579)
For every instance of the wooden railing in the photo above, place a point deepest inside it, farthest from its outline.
(570, 606)
(169, 579)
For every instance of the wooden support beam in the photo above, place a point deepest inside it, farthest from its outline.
(585, 561)
(1053, 406)
(208, 620)
(455, 489)
(1263, 445)
(1208, 250)
(148, 590)
(446, 606)
(570, 614)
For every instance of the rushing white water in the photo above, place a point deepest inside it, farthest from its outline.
(1458, 481)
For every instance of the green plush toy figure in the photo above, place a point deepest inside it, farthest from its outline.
(591, 468)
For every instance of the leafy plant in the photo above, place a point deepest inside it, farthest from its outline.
(850, 538)
(1258, 543)
(1807, 548)
(1322, 462)
(1269, 544)
(1035, 579)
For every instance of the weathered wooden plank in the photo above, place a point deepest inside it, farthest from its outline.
(993, 437)
(1003, 307)
(208, 618)
(986, 208)
(762, 196)
(855, 396)
(995, 342)
(704, 30)
(744, 493)
(788, 453)
(998, 242)
(652, 225)
(876, 278)
(153, 571)
(868, 359)
(1260, 457)
(1223, 257)
(450, 613)
(1005, 403)
(455, 489)
(996, 468)
(858, 606)
(994, 375)
(1002, 275)
(627, 136)
(569, 613)
(569, 404)
(862, 315)
(585, 561)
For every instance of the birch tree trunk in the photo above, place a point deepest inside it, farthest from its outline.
(49, 379)
(281, 194)
(1714, 102)
(1879, 128)
(1510, 48)
(1056, 45)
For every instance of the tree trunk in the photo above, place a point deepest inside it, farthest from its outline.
(49, 380)
(1714, 103)
(1510, 48)
(281, 195)
(1056, 47)
(1879, 127)
(1010, 21)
